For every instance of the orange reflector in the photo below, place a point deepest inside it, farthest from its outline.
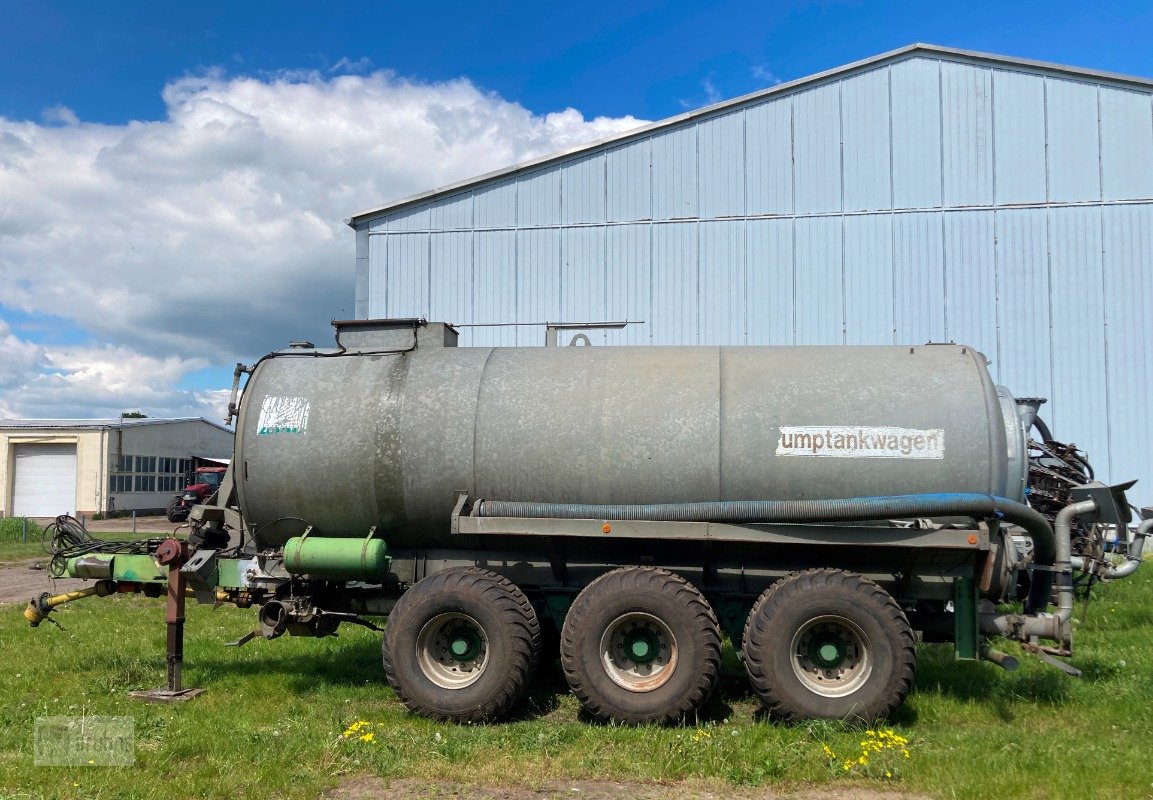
(972, 538)
(607, 528)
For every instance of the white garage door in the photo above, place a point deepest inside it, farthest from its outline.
(45, 480)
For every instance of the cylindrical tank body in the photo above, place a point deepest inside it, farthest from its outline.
(349, 441)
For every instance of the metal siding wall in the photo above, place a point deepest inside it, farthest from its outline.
(1075, 272)
(583, 296)
(1073, 152)
(361, 303)
(629, 173)
(415, 219)
(628, 274)
(452, 213)
(407, 274)
(1128, 265)
(916, 113)
(971, 280)
(538, 289)
(869, 279)
(494, 287)
(867, 144)
(674, 162)
(769, 277)
(769, 157)
(583, 190)
(967, 131)
(451, 271)
(1126, 145)
(721, 143)
(377, 275)
(538, 198)
(1053, 295)
(1023, 356)
(674, 283)
(1019, 137)
(820, 306)
(817, 149)
(722, 282)
(918, 278)
(495, 206)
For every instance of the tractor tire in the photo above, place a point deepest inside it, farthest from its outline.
(829, 644)
(175, 511)
(641, 645)
(461, 646)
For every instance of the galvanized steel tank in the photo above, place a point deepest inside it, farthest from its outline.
(344, 441)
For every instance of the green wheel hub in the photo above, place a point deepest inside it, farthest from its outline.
(827, 652)
(831, 656)
(464, 644)
(642, 645)
(452, 650)
(638, 651)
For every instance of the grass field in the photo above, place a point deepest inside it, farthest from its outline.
(281, 718)
(19, 540)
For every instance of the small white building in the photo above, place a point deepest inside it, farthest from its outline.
(50, 467)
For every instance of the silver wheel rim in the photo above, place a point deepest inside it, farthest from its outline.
(638, 674)
(435, 653)
(826, 634)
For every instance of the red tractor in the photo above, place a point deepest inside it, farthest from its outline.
(206, 480)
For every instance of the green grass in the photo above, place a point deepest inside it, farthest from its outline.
(18, 543)
(271, 721)
(17, 547)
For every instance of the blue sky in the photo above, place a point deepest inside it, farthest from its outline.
(173, 178)
(108, 61)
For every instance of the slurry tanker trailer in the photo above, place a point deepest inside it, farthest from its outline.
(821, 506)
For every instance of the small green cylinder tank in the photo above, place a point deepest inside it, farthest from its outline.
(344, 559)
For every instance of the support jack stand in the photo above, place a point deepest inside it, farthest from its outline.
(172, 553)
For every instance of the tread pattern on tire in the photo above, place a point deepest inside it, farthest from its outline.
(515, 612)
(785, 590)
(632, 579)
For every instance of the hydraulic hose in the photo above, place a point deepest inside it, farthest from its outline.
(979, 506)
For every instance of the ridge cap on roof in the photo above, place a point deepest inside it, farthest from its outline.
(899, 53)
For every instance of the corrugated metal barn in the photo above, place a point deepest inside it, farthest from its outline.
(924, 195)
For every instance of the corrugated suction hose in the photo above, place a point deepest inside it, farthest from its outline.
(978, 506)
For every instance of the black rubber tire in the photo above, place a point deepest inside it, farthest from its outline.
(175, 512)
(508, 621)
(784, 610)
(678, 605)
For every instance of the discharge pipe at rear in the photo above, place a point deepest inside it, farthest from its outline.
(1133, 556)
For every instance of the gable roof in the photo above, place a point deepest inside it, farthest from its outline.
(900, 54)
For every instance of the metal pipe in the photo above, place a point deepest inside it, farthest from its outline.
(1133, 556)
(1063, 528)
(1034, 622)
(1003, 660)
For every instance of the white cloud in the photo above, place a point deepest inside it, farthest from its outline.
(216, 234)
(61, 115)
(762, 73)
(102, 381)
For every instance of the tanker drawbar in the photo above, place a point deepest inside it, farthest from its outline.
(822, 507)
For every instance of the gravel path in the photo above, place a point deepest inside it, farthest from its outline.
(19, 584)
